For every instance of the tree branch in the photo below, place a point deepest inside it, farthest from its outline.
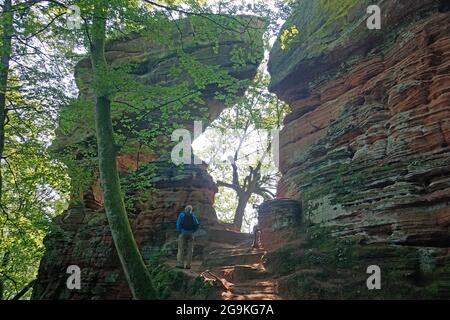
(228, 185)
(235, 174)
(45, 27)
(190, 13)
(265, 193)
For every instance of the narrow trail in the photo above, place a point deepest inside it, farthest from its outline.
(238, 268)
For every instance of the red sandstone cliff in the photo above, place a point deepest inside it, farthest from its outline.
(365, 150)
(366, 146)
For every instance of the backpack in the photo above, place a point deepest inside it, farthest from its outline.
(189, 222)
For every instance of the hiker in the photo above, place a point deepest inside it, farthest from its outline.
(257, 237)
(187, 224)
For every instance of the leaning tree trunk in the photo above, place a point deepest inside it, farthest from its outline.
(5, 57)
(240, 211)
(133, 265)
(5, 52)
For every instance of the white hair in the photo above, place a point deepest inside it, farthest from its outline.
(188, 209)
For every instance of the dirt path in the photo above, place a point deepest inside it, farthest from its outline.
(237, 267)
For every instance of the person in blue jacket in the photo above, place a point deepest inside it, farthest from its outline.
(187, 224)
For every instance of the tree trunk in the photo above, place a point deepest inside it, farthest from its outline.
(5, 52)
(133, 265)
(240, 211)
(5, 57)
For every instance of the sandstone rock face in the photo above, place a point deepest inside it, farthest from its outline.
(82, 237)
(160, 59)
(278, 219)
(155, 189)
(366, 146)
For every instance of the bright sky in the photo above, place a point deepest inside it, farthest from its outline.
(200, 145)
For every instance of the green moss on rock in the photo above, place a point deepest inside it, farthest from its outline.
(175, 284)
(325, 267)
(331, 32)
(322, 25)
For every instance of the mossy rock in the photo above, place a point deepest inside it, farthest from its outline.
(155, 61)
(175, 284)
(325, 267)
(321, 35)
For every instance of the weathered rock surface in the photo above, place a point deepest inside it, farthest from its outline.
(368, 141)
(366, 146)
(155, 189)
(82, 237)
(279, 219)
(162, 60)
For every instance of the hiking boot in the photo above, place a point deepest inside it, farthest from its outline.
(187, 267)
(179, 267)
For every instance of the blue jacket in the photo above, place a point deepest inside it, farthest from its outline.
(180, 221)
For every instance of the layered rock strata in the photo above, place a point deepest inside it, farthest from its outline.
(365, 148)
(279, 219)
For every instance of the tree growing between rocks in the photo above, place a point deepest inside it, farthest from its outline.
(111, 90)
(101, 21)
(247, 129)
(133, 265)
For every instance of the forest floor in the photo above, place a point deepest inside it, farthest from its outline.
(239, 270)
